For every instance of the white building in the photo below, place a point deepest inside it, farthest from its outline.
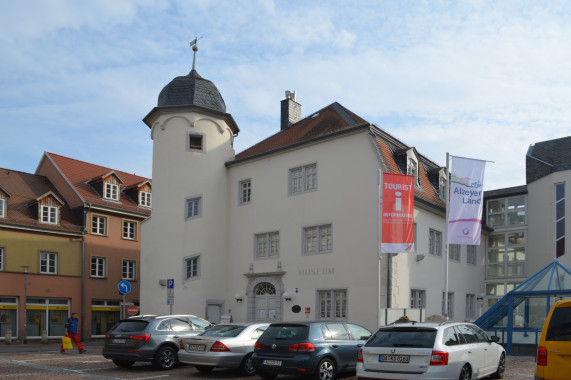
(288, 229)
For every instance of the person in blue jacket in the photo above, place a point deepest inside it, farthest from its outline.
(71, 332)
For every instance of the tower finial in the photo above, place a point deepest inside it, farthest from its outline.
(194, 49)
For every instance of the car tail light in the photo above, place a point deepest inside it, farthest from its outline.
(142, 338)
(302, 347)
(257, 345)
(181, 345)
(360, 356)
(439, 358)
(219, 347)
(541, 358)
(106, 336)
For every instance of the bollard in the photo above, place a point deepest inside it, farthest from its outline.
(8, 338)
(44, 337)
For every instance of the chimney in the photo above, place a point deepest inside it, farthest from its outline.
(291, 110)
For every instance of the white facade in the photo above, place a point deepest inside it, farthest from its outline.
(542, 220)
(288, 283)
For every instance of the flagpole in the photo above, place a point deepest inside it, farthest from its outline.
(447, 197)
(379, 239)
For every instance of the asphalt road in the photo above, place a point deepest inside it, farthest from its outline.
(44, 361)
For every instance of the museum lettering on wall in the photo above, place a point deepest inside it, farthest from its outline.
(317, 271)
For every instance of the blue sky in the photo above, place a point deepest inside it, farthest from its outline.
(481, 79)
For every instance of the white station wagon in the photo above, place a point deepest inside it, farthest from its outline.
(447, 350)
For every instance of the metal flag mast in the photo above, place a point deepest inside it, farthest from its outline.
(447, 224)
(445, 235)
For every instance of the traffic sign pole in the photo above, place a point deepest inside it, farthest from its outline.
(124, 288)
(170, 293)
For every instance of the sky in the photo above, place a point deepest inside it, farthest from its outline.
(479, 79)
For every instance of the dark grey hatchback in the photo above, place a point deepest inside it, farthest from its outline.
(319, 350)
(150, 338)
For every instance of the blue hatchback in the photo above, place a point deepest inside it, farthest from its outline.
(319, 350)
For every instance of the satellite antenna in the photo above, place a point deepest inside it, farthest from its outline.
(194, 49)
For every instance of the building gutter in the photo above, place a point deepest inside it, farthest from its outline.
(87, 207)
(16, 226)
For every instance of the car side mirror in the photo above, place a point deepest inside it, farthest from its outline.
(495, 339)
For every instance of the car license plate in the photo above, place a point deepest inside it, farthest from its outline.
(272, 362)
(394, 358)
(196, 347)
(119, 341)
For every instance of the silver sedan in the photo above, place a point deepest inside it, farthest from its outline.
(227, 345)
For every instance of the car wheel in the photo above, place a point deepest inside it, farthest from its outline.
(499, 374)
(325, 370)
(123, 363)
(246, 367)
(465, 373)
(267, 375)
(165, 358)
(203, 368)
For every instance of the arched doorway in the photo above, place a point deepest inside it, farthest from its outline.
(266, 303)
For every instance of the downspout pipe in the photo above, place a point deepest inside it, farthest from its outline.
(86, 209)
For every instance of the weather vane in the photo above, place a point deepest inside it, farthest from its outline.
(194, 49)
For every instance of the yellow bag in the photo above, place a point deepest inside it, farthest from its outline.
(66, 343)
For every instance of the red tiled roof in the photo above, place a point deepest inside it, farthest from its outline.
(24, 189)
(331, 119)
(426, 191)
(79, 173)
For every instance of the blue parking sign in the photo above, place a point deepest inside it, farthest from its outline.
(170, 283)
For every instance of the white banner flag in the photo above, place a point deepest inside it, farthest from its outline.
(466, 203)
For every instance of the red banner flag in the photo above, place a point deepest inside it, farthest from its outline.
(397, 216)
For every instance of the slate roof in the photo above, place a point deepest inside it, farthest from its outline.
(547, 157)
(506, 192)
(192, 90)
(80, 174)
(334, 120)
(24, 189)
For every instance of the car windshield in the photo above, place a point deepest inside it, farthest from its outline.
(286, 332)
(403, 337)
(131, 326)
(224, 331)
(560, 325)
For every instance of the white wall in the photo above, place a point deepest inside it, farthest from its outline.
(541, 221)
(168, 237)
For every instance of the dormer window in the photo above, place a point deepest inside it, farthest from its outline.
(111, 191)
(4, 195)
(47, 207)
(145, 199)
(412, 169)
(442, 186)
(49, 214)
(108, 185)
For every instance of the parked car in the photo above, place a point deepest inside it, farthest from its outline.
(319, 350)
(553, 360)
(150, 338)
(228, 345)
(447, 350)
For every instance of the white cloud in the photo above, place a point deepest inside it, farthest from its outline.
(483, 79)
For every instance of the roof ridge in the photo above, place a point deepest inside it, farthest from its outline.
(109, 169)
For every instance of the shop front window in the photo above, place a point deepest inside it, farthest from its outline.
(104, 314)
(8, 316)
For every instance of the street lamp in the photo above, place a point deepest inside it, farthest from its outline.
(25, 301)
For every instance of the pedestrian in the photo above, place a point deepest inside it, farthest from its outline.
(71, 332)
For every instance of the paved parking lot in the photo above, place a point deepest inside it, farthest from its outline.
(37, 361)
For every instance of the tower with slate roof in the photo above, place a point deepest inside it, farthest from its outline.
(192, 139)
